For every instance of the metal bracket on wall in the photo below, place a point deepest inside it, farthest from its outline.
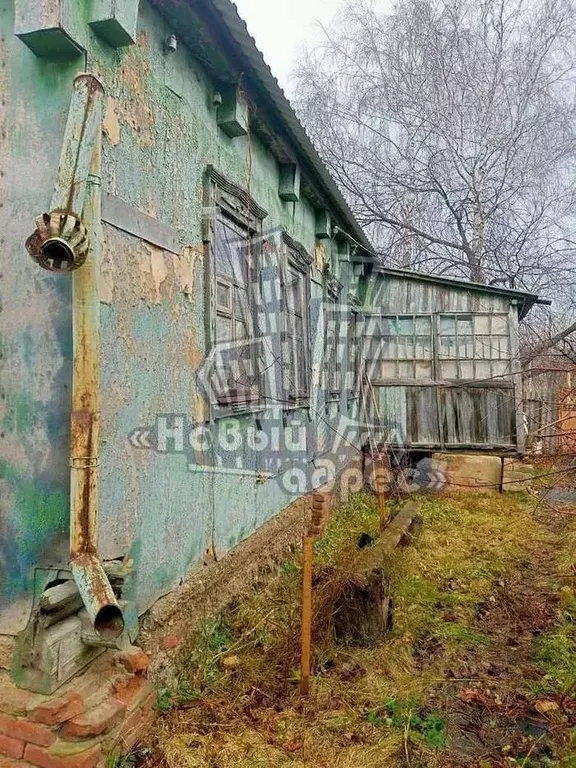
(126, 217)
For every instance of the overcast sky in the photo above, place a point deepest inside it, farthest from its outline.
(282, 27)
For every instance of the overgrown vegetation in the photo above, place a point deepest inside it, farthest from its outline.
(479, 668)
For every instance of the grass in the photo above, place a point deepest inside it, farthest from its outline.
(237, 702)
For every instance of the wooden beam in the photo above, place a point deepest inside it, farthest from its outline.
(306, 645)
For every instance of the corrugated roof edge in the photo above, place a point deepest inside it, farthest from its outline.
(528, 299)
(262, 72)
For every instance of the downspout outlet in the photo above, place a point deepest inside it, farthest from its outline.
(97, 596)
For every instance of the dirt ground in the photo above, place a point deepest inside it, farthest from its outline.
(479, 668)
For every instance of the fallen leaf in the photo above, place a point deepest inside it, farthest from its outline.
(545, 705)
(231, 662)
(472, 696)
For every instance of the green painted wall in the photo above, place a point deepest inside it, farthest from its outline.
(160, 133)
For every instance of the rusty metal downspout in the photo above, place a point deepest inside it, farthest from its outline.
(92, 582)
(77, 198)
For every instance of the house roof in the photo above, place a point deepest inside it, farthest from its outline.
(222, 38)
(525, 300)
(216, 33)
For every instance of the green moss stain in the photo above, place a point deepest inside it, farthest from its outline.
(37, 515)
(19, 417)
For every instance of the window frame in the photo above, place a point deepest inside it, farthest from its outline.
(332, 367)
(297, 261)
(230, 205)
(407, 360)
(437, 358)
(498, 379)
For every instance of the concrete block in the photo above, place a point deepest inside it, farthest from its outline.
(466, 472)
(517, 475)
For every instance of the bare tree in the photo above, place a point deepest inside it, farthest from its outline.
(449, 124)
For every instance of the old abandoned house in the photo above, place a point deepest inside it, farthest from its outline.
(187, 343)
(443, 362)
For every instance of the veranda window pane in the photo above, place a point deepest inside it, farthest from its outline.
(500, 324)
(481, 324)
(448, 346)
(389, 347)
(449, 370)
(423, 326)
(482, 347)
(388, 369)
(465, 347)
(501, 368)
(406, 370)
(483, 369)
(447, 325)
(423, 347)
(406, 326)
(423, 369)
(504, 347)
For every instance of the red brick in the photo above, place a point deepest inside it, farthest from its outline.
(56, 711)
(131, 691)
(43, 758)
(8, 762)
(11, 747)
(27, 731)
(135, 661)
(96, 721)
(13, 700)
(132, 721)
(150, 701)
(134, 729)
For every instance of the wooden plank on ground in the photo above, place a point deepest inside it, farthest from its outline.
(398, 527)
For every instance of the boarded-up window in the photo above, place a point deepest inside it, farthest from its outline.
(353, 378)
(336, 331)
(237, 379)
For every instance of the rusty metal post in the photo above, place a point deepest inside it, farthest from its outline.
(380, 480)
(93, 584)
(306, 646)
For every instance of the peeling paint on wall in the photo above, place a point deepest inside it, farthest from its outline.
(321, 258)
(156, 149)
(111, 123)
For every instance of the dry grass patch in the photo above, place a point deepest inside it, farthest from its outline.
(399, 703)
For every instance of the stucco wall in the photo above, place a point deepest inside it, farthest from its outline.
(160, 133)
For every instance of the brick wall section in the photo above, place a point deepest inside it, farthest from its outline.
(107, 710)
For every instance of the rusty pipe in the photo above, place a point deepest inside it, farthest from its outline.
(60, 243)
(93, 584)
